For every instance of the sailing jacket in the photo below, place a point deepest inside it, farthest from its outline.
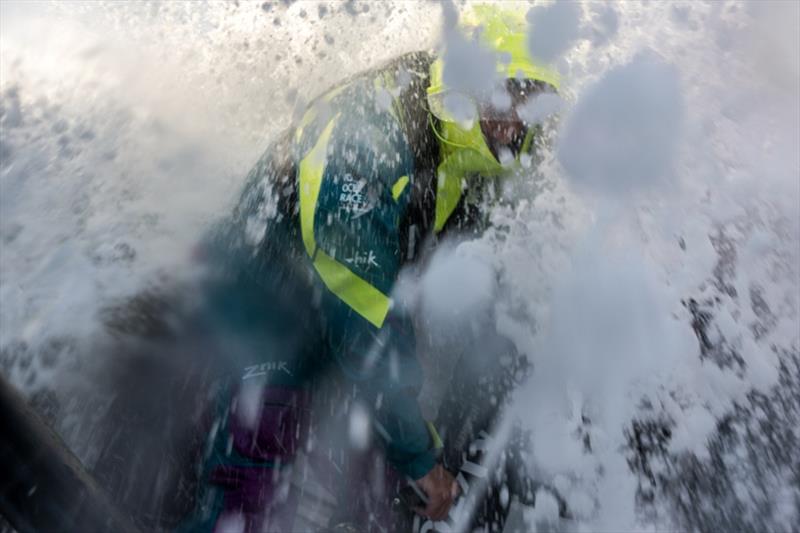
(330, 215)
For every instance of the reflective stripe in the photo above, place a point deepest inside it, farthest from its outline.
(308, 117)
(385, 83)
(362, 297)
(311, 169)
(312, 113)
(336, 91)
(526, 143)
(437, 440)
(365, 299)
(448, 194)
(466, 153)
(399, 186)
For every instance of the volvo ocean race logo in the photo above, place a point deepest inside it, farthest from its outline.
(353, 198)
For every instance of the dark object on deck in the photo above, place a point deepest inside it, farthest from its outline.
(43, 486)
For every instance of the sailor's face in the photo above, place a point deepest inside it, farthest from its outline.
(501, 116)
(501, 124)
(503, 134)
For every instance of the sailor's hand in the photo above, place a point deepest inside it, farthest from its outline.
(441, 490)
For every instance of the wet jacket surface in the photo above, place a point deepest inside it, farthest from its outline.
(310, 257)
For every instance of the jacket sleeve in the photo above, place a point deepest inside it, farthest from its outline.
(383, 364)
(359, 208)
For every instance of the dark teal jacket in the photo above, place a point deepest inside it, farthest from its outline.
(346, 198)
